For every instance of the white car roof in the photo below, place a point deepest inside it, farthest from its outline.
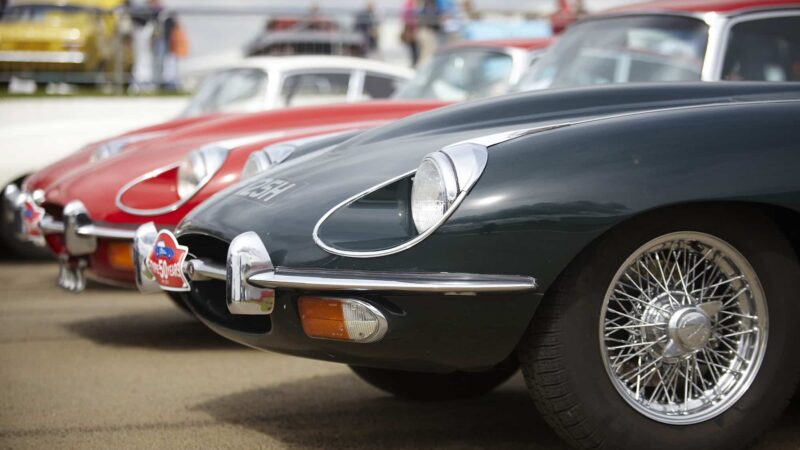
(300, 62)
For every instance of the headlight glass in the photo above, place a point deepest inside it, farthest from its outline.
(434, 190)
(114, 147)
(109, 149)
(197, 169)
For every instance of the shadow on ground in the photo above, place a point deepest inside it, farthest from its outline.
(161, 329)
(341, 411)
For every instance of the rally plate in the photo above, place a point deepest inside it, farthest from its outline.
(165, 262)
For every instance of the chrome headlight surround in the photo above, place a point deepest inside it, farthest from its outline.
(198, 167)
(460, 166)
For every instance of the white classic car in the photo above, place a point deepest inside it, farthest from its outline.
(48, 130)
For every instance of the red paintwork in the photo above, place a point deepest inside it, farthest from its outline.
(78, 160)
(702, 6)
(97, 186)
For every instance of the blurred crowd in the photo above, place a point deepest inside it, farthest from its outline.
(158, 42)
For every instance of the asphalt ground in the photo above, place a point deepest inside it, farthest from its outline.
(115, 369)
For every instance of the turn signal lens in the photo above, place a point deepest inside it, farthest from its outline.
(341, 319)
(120, 255)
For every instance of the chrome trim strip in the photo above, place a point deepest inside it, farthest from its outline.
(48, 225)
(201, 270)
(102, 231)
(346, 280)
(64, 57)
(315, 233)
(149, 212)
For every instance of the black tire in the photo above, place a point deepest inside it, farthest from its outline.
(12, 246)
(177, 299)
(421, 386)
(563, 366)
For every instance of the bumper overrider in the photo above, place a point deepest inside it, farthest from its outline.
(79, 234)
(421, 321)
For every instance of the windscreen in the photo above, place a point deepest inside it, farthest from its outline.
(235, 90)
(460, 75)
(656, 48)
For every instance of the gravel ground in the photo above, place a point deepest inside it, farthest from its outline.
(114, 369)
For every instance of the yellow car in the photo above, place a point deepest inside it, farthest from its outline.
(55, 36)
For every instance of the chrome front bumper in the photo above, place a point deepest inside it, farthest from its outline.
(80, 240)
(80, 233)
(249, 272)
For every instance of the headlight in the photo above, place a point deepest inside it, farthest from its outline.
(109, 149)
(434, 191)
(257, 163)
(272, 155)
(441, 182)
(198, 167)
(114, 147)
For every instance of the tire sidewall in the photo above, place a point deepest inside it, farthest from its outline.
(774, 265)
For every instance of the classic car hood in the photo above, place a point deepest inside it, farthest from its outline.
(312, 186)
(112, 174)
(79, 161)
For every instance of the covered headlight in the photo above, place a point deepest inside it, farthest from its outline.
(434, 191)
(272, 155)
(198, 167)
(257, 163)
(114, 147)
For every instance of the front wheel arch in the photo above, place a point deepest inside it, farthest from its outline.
(551, 335)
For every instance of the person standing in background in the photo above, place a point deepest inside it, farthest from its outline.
(144, 64)
(428, 28)
(177, 48)
(450, 21)
(366, 25)
(408, 35)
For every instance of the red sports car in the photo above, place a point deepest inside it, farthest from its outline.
(88, 215)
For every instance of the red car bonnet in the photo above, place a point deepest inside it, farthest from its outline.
(48, 176)
(97, 185)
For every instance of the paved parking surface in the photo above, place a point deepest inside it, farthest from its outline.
(113, 369)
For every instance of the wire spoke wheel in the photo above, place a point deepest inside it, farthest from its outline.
(683, 329)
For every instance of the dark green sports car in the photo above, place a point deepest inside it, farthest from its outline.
(632, 248)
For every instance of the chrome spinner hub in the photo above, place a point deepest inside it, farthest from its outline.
(690, 329)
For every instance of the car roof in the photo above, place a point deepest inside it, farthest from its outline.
(520, 43)
(728, 7)
(289, 63)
